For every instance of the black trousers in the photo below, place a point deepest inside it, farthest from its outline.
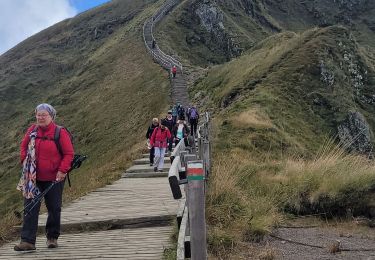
(53, 200)
(152, 155)
(193, 124)
(170, 144)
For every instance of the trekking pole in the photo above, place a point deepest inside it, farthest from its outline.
(40, 197)
(76, 163)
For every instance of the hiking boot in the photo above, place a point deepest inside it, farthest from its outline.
(52, 243)
(155, 169)
(24, 246)
(151, 164)
(160, 170)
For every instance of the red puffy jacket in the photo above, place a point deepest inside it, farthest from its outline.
(48, 158)
(160, 137)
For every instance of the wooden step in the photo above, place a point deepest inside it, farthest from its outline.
(146, 161)
(144, 174)
(146, 168)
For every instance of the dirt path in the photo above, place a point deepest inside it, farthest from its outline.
(313, 239)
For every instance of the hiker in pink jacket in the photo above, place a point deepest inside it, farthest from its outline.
(159, 140)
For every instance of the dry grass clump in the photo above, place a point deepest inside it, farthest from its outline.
(247, 196)
(234, 215)
(334, 247)
(6, 231)
(267, 254)
(251, 118)
(334, 183)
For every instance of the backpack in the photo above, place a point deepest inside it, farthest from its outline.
(181, 111)
(193, 113)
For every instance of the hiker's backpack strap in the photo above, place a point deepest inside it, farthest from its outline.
(56, 138)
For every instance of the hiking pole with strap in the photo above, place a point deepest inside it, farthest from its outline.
(76, 163)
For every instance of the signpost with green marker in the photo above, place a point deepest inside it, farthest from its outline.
(196, 204)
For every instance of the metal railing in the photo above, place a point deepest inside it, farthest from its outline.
(190, 167)
(166, 61)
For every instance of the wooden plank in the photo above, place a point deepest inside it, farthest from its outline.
(180, 212)
(181, 236)
(141, 198)
(142, 243)
(146, 168)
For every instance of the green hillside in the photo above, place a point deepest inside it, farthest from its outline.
(212, 32)
(96, 72)
(290, 85)
(285, 78)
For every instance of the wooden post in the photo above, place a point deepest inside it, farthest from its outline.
(200, 148)
(189, 157)
(182, 158)
(206, 157)
(196, 205)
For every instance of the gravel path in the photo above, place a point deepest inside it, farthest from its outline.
(316, 243)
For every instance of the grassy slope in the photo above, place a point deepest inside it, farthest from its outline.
(105, 91)
(270, 118)
(281, 78)
(265, 115)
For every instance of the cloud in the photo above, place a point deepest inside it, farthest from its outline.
(20, 19)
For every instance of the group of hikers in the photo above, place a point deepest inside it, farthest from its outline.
(173, 128)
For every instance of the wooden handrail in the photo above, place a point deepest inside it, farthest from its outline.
(193, 226)
(159, 56)
(196, 172)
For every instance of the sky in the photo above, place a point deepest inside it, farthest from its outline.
(20, 19)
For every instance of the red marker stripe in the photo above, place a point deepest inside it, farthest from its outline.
(195, 171)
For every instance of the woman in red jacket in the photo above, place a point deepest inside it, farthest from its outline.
(43, 164)
(159, 140)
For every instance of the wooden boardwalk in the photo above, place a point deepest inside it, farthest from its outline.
(140, 243)
(130, 219)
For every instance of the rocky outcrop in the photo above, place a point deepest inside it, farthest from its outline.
(212, 19)
(326, 74)
(355, 133)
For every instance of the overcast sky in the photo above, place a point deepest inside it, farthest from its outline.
(19, 19)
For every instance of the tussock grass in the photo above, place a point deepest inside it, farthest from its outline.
(251, 118)
(247, 196)
(335, 183)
